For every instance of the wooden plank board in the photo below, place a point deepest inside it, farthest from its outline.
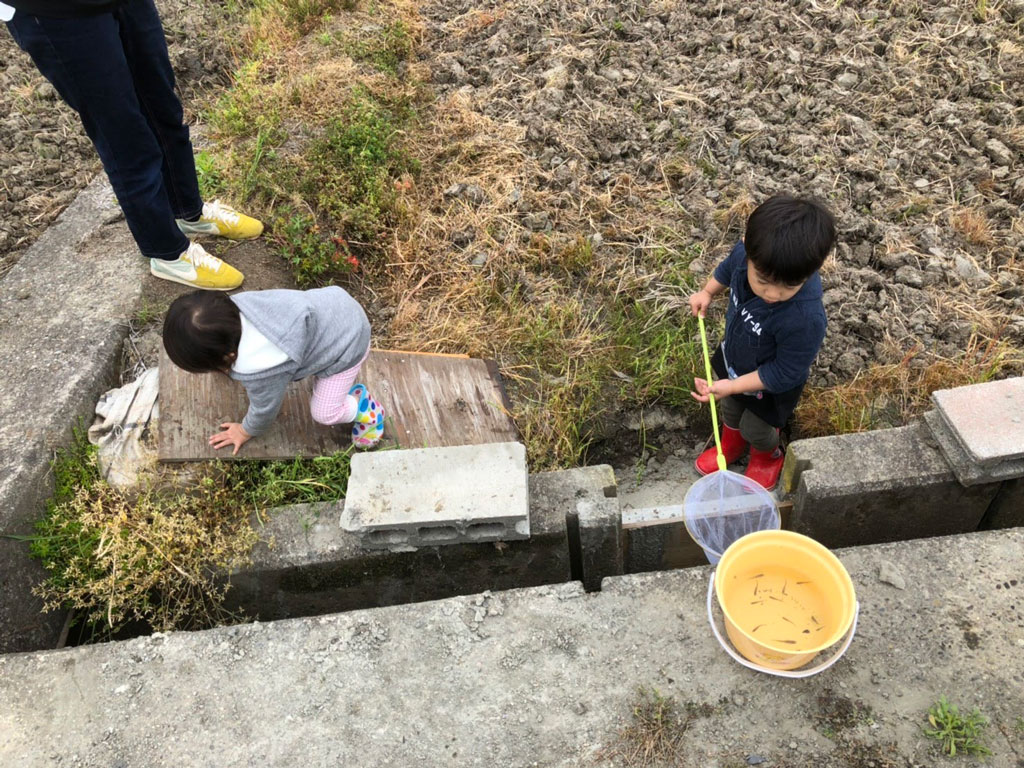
(429, 400)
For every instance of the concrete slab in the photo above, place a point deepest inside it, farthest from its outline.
(967, 470)
(885, 485)
(63, 313)
(987, 419)
(306, 564)
(436, 496)
(546, 677)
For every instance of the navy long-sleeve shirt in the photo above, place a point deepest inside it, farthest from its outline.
(779, 340)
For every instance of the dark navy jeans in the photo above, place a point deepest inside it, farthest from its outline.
(114, 71)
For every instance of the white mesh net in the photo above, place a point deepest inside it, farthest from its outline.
(723, 506)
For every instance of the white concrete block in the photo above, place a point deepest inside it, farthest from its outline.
(433, 496)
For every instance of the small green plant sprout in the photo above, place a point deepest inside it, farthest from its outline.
(957, 733)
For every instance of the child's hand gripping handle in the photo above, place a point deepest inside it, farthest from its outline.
(711, 399)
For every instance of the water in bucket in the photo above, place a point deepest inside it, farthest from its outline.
(725, 506)
(784, 599)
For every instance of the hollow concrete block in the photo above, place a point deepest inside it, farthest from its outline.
(885, 485)
(438, 496)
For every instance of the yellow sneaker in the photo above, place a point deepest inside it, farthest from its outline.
(222, 220)
(199, 269)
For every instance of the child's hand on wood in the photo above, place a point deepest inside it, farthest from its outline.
(718, 388)
(699, 303)
(233, 434)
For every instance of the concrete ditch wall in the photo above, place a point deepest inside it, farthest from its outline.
(542, 676)
(63, 313)
(306, 564)
(887, 485)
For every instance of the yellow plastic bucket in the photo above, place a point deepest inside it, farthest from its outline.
(784, 599)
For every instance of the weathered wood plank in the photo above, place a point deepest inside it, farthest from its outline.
(429, 400)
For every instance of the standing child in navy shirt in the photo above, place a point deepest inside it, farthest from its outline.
(774, 327)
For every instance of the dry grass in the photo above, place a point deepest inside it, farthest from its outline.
(561, 315)
(575, 286)
(654, 736)
(972, 225)
(894, 394)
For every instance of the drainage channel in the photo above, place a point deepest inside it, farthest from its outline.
(586, 525)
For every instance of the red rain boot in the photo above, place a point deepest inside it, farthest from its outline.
(765, 467)
(733, 446)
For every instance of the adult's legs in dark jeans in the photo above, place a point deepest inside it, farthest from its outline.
(145, 48)
(85, 60)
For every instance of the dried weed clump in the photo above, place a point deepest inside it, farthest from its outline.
(891, 395)
(972, 225)
(162, 555)
(116, 558)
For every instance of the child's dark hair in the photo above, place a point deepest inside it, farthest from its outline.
(201, 330)
(789, 238)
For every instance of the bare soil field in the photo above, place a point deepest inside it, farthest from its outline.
(906, 118)
(566, 173)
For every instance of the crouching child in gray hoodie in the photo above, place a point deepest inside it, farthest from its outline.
(268, 339)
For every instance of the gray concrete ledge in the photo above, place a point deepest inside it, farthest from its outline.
(306, 564)
(537, 677)
(63, 312)
(887, 485)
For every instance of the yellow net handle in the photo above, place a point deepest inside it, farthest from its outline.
(711, 399)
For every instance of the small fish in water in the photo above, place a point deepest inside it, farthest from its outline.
(757, 627)
(776, 599)
(815, 620)
(791, 622)
(784, 585)
(799, 583)
(807, 631)
(759, 576)
(787, 642)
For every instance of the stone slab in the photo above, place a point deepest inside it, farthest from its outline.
(547, 676)
(968, 471)
(987, 419)
(436, 496)
(306, 564)
(885, 485)
(64, 309)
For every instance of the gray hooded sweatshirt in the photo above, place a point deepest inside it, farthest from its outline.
(323, 331)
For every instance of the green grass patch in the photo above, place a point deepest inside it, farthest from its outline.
(353, 168)
(957, 733)
(386, 49)
(211, 177)
(306, 15)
